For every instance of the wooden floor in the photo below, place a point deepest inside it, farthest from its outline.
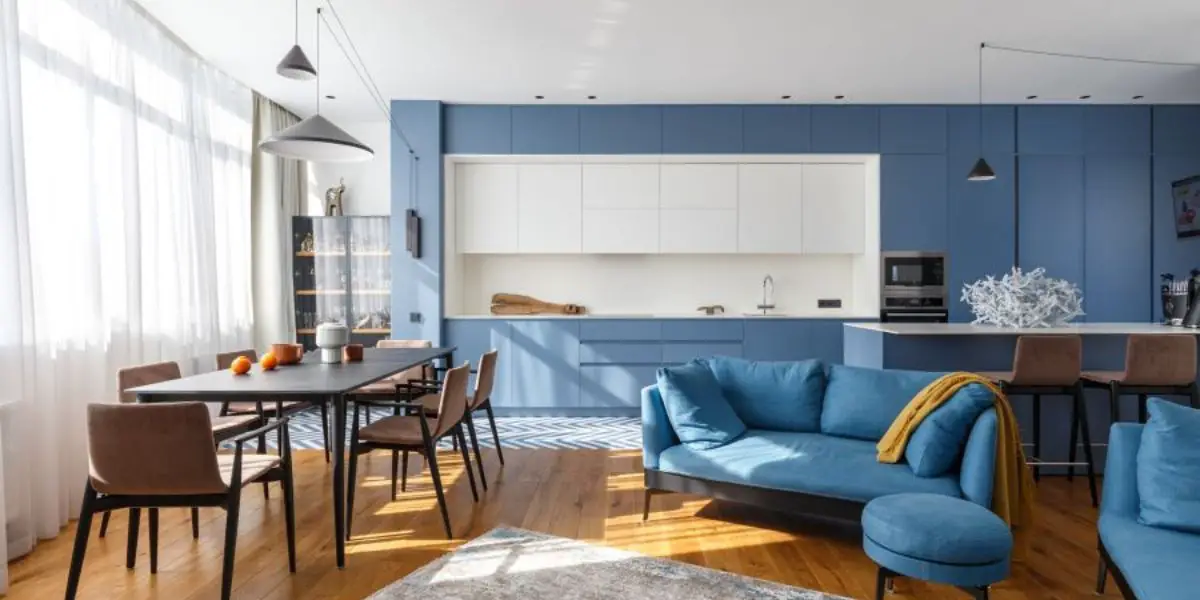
(593, 495)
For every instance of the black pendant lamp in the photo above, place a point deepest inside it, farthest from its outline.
(982, 171)
(295, 64)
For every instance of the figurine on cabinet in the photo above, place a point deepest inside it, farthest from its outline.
(333, 199)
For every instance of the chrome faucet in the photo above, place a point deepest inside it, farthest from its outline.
(768, 301)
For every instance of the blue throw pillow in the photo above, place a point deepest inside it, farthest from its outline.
(861, 403)
(937, 444)
(1168, 467)
(782, 396)
(697, 410)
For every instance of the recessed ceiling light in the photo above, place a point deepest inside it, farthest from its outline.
(839, 97)
(1138, 97)
(330, 97)
(785, 97)
(539, 97)
(1031, 97)
(1085, 96)
(591, 97)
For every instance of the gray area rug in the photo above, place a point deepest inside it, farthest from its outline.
(514, 564)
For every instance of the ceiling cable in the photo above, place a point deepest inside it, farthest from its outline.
(364, 75)
(1137, 61)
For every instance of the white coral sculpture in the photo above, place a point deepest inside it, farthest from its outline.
(1021, 300)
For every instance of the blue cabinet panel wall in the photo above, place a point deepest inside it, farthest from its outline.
(912, 130)
(914, 216)
(1050, 129)
(1170, 253)
(775, 129)
(1117, 248)
(845, 128)
(702, 129)
(545, 130)
(1051, 215)
(477, 129)
(1116, 130)
(620, 130)
(474, 337)
(545, 363)
(1176, 129)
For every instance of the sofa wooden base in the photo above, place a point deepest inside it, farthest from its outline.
(1108, 566)
(809, 505)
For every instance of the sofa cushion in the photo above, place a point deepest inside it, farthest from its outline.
(699, 414)
(803, 462)
(784, 396)
(1157, 563)
(937, 528)
(1168, 467)
(862, 403)
(937, 444)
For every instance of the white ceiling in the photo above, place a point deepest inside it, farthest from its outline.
(642, 51)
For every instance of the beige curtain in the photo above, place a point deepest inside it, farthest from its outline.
(279, 186)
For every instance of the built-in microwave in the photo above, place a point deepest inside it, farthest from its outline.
(913, 287)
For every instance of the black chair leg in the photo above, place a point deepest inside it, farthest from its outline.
(475, 446)
(1101, 576)
(395, 470)
(1194, 395)
(231, 528)
(195, 523)
(1037, 435)
(462, 439)
(431, 456)
(495, 435)
(289, 500)
(153, 540)
(82, 532)
(1071, 450)
(1114, 402)
(325, 429)
(262, 449)
(1142, 400)
(1085, 430)
(352, 475)
(135, 520)
(883, 583)
(646, 504)
(404, 471)
(104, 524)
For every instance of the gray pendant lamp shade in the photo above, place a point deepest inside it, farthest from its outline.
(981, 172)
(295, 65)
(317, 140)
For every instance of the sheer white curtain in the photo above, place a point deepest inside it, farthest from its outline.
(124, 231)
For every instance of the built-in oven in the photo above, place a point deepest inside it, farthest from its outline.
(913, 287)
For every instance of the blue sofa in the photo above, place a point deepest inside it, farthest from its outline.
(1150, 563)
(809, 446)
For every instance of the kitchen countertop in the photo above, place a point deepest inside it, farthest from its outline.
(969, 329)
(828, 314)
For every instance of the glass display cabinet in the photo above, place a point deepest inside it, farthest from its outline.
(342, 273)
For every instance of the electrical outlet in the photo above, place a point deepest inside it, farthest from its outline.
(415, 317)
(829, 303)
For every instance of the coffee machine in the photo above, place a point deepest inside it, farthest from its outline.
(1181, 300)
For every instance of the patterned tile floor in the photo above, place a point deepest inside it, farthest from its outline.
(558, 433)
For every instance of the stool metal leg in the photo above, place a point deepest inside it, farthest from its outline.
(1037, 434)
(1081, 411)
(1194, 395)
(1142, 399)
(1114, 402)
(883, 583)
(1074, 441)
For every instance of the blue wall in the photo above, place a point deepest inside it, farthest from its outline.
(1093, 180)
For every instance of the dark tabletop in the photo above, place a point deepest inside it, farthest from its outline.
(307, 378)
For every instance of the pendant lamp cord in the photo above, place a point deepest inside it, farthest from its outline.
(318, 27)
(296, 17)
(981, 47)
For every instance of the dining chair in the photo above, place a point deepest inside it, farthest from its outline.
(162, 455)
(222, 427)
(480, 400)
(264, 410)
(1155, 364)
(417, 432)
(387, 385)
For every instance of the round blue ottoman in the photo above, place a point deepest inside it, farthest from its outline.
(936, 538)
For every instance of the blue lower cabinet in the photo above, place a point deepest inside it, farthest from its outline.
(776, 339)
(472, 338)
(676, 353)
(620, 330)
(614, 386)
(623, 353)
(545, 364)
(826, 340)
(702, 330)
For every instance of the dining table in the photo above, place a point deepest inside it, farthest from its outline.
(308, 380)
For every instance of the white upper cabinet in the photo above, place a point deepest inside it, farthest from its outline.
(770, 210)
(620, 231)
(697, 231)
(486, 205)
(549, 208)
(834, 200)
(708, 186)
(620, 186)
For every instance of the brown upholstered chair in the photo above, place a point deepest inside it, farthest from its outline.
(1159, 364)
(162, 455)
(485, 378)
(222, 427)
(1051, 365)
(265, 410)
(387, 386)
(415, 433)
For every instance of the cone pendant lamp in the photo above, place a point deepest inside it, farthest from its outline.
(982, 171)
(316, 138)
(295, 64)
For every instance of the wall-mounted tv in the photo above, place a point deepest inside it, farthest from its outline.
(1186, 196)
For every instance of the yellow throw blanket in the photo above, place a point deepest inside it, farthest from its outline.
(1012, 494)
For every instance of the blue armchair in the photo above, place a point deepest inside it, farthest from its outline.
(1147, 563)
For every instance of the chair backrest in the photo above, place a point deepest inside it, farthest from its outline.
(484, 379)
(1048, 360)
(131, 377)
(415, 372)
(225, 359)
(152, 449)
(453, 405)
(1160, 359)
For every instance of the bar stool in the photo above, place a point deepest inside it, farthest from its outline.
(1159, 364)
(1051, 365)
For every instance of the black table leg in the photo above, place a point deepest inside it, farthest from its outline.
(339, 478)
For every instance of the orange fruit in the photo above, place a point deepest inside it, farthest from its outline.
(240, 366)
(268, 362)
